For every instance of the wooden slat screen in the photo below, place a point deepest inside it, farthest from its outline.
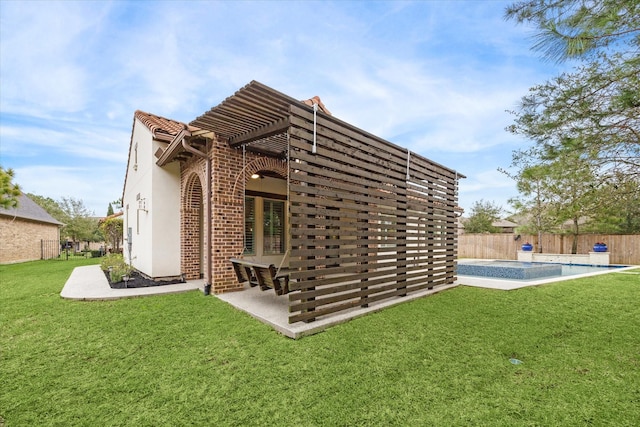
(369, 221)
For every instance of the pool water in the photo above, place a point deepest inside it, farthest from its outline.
(526, 271)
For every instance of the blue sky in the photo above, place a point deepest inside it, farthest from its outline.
(434, 76)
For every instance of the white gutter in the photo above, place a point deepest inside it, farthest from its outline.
(315, 117)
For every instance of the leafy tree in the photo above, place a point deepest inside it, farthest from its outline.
(577, 28)
(80, 225)
(532, 203)
(9, 192)
(110, 210)
(594, 110)
(573, 192)
(483, 215)
(620, 207)
(554, 192)
(113, 230)
(52, 207)
(117, 203)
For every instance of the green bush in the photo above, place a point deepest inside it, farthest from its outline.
(116, 266)
(96, 254)
(110, 260)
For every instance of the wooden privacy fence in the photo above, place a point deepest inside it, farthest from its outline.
(624, 249)
(369, 220)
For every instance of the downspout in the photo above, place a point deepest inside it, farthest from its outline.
(315, 121)
(190, 149)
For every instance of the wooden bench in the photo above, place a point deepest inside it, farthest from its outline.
(264, 275)
(243, 271)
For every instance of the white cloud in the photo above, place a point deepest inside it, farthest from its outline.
(433, 76)
(95, 186)
(42, 55)
(82, 142)
(488, 185)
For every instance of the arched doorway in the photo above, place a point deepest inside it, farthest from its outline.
(192, 229)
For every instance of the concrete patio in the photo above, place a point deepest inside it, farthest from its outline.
(89, 283)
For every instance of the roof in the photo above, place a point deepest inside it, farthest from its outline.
(28, 209)
(255, 117)
(504, 223)
(161, 128)
(255, 106)
(112, 216)
(500, 223)
(316, 100)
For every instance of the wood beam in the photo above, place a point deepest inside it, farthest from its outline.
(263, 132)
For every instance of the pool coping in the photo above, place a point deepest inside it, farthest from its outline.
(511, 284)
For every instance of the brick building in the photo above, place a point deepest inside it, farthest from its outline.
(268, 178)
(28, 233)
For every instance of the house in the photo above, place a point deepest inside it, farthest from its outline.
(151, 199)
(28, 233)
(353, 218)
(503, 225)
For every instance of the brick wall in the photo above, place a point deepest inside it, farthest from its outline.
(228, 216)
(190, 223)
(230, 172)
(20, 239)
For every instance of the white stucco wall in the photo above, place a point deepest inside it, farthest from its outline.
(164, 208)
(151, 204)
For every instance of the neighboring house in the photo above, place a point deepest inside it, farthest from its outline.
(28, 233)
(504, 225)
(566, 226)
(75, 246)
(265, 177)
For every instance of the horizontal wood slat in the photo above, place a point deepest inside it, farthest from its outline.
(316, 312)
(368, 220)
(343, 163)
(356, 291)
(302, 139)
(358, 139)
(326, 193)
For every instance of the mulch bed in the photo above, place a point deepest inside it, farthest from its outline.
(139, 281)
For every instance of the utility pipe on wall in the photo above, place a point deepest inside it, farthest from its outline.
(315, 120)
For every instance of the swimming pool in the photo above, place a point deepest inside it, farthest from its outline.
(526, 271)
(567, 272)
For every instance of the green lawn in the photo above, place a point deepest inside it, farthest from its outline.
(187, 359)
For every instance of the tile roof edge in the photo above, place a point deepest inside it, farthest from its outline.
(316, 100)
(150, 120)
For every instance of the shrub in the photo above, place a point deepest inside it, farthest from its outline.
(116, 266)
(96, 254)
(110, 260)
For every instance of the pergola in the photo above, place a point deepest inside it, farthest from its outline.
(368, 219)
